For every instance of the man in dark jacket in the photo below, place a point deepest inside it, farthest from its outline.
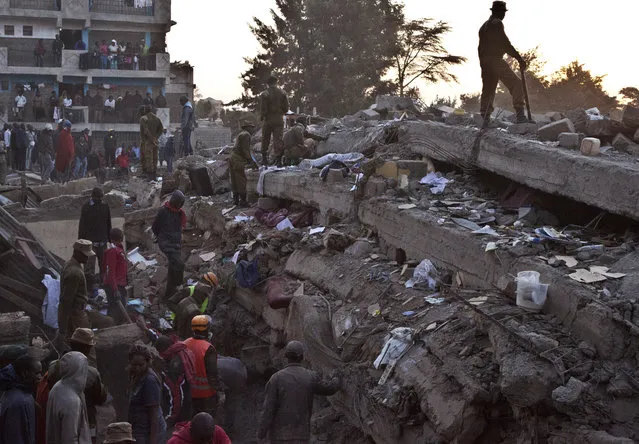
(288, 403)
(95, 225)
(167, 228)
(493, 44)
(44, 146)
(188, 124)
(110, 145)
(240, 157)
(17, 405)
(160, 101)
(273, 106)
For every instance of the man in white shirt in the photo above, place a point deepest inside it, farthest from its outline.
(113, 54)
(21, 102)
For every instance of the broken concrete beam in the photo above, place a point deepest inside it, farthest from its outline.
(362, 139)
(631, 117)
(570, 140)
(369, 114)
(603, 128)
(268, 203)
(147, 194)
(395, 103)
(579, 118)
(551, 131)
(15, 328)
(543, 168)
(625, 145)
(524, 128)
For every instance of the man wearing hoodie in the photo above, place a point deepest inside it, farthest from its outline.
(67, 421)
(167, 229)
(188, 124)
(201, 430)
(17, 406)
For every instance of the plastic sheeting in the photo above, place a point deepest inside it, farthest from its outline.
(396, 344)
(51, 301)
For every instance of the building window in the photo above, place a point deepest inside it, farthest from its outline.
(4, 85)
(9, 30)
(27, 30)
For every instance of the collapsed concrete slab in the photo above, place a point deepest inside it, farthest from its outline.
(602, 183)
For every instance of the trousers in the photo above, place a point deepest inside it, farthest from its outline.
(186, 138)
(277, 131)
(149, 151)
(494, 70)
(175, 275)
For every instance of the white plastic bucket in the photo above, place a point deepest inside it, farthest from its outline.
(531, 295)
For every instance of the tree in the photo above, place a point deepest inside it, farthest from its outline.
(422, 54)
(328, 54)
(573, 86)
(630, 95)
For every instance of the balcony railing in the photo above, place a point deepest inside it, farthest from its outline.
(18, 57)
(118, 63)
(46, 5)
(126, 7)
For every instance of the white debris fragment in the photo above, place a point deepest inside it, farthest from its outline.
(436, 183)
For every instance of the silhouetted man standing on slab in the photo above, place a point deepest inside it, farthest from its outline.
(493, 44)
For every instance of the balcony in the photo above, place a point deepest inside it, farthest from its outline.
(42, 5)
(26, 58)
(124, 7)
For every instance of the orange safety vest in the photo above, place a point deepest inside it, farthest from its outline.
(200, 387)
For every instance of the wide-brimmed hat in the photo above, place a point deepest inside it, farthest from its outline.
(499, 6)
(84, 246)
(83, 336)
(119, 432)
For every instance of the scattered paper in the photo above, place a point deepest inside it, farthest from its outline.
(568, 260)
(433, 300)
(487, 230)
(208, 257)
(436, 183)
(236, 256)
(227, 210)
(586, 277)
(432, 326)
(135, 257)
(374, 310)
(466, 224)
(491, 246)
(604, 272)
(316, 230)
(408, 313)
(478, 300)
(284, 225)
(407, 206)
(241, 218)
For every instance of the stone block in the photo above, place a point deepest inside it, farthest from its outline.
(276, 319)
(631, 117)
(551, 131)
(621, 142)
(570, 140)
(554, 116)
(524, 128)
(395, 103)
(603, 128)
(579, 118)
(590, 146)
(370, 114)
(268, 203)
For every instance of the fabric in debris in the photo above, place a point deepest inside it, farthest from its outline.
(349, 158)
(436, 183)
(396, 344)
(263, 173)
(247, 273)
(425, 272)
(51, 301)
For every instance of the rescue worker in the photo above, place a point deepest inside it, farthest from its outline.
(294, 143)
(150, 130)
(288, 402)
(191, 301)
(167, 229)
(273, 106)
(204, 386)
(240, 157)
(73, 291)
(493, 44)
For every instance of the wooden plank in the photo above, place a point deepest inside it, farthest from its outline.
(27, 307)
(35, 294)
(29, 253)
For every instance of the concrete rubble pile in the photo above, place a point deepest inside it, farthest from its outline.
(399, 271)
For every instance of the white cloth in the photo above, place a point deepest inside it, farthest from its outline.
(396, 343)
(113, 49)
(7, 138)
(67, 102)
(21, 101)
(436, 183)
(348, 159)
(51, 301)
(264, 172)
(109, 103)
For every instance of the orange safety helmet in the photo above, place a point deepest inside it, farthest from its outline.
(211, 279)
(200, 323)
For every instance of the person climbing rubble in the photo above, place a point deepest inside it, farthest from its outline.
(167, 229)
(493, 44)
(288, 402)
(95, 225)
(205, 384)
(201, 430)
(17, 406)
(240, 157)
(72, 312)
(273, 106)
(191, 301)
(67, 421)
(95, 393)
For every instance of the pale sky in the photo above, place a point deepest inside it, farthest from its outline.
(215, 38)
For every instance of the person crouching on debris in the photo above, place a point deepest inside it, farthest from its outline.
(17, 406)
(72, 312)
(167, 229)
(201, 430)
(240, 157)
(191, 301)
(115, 275)
(288, 402)
(144, 401)
(294, 142)
(204, 386)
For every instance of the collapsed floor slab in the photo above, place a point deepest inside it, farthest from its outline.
(596, 181)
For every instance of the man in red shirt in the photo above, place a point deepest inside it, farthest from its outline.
(201, 430)
(115, 273)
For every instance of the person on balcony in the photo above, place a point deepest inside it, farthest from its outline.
(53, 106)
(109, 108)
(38, 52)
(80, 45)
(21, 102)
(57, 47)
(104, 55)
(98, 106)
(160, 101)
(113, 54)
